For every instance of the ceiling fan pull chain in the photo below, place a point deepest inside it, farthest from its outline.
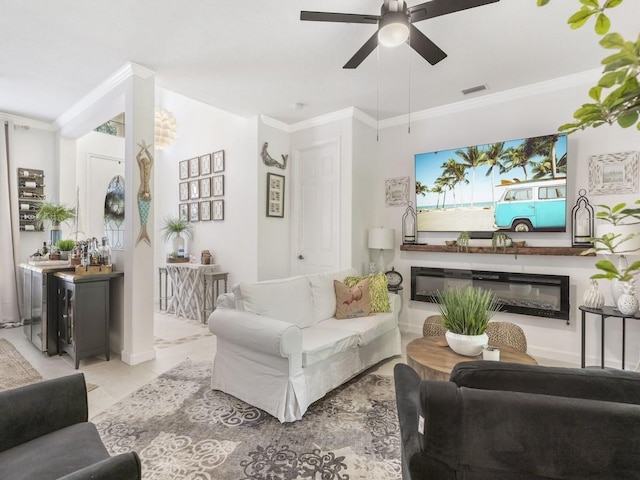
(409, 115)
(377, 95)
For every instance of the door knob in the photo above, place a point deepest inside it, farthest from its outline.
(300, 257)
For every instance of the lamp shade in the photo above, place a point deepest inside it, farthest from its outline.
(382, 238)
(165, 128)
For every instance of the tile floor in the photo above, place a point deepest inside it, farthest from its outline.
(176, 339)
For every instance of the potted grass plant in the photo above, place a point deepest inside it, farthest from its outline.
(465, 313)
(55, 214)
(176, 229)
(65, 247)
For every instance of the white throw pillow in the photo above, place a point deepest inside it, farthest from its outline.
(288, 299)
(324, 294)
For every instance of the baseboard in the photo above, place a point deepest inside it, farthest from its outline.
(138, 357)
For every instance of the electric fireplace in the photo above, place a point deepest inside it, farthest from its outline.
(523, 293)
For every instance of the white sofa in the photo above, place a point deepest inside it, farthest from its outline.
(280, 348)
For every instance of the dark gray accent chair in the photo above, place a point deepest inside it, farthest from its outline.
(505, 421)
(44, 434)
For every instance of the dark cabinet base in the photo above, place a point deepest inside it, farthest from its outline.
(83, 315)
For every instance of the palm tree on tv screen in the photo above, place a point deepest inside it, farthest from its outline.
(494, 156)
(472, 158)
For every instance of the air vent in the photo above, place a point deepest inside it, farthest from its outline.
(477, 88)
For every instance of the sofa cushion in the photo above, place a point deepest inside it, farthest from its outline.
(377, 291)
(368, 328)
(287, 299)
(323, 292)
(352, 302)
(319, 343)
(55, 454)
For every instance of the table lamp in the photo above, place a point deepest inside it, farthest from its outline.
(381, 239)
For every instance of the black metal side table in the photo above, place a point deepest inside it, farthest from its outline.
(604, 313)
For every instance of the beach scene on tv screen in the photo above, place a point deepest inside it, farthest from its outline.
(516, 185)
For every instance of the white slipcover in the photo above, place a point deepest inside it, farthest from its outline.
(282, 365)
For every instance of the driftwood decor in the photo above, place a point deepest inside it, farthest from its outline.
(272, 162)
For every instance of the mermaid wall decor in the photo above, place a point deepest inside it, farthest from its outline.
(145, 162)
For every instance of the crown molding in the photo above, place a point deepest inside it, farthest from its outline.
(350, 112)
(27, 123)
(560, 83)
(111, 83)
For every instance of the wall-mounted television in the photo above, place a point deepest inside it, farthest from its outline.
(515, 185)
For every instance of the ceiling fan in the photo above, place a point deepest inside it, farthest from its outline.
(395, 25)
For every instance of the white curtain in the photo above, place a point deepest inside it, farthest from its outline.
(9, 303)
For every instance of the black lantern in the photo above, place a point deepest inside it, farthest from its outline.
(409, 225)
(582, 229)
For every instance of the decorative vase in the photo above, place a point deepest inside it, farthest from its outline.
(593, 297)
(56, 233)
(627, 301)
(468, 345)
(178, 245)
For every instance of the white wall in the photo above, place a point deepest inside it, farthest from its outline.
(204, 129)
(274, 245)
(34, 148)
(516, 114)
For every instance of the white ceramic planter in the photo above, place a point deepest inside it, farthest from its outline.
(468, 345)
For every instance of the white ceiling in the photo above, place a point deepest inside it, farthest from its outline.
(257, 57)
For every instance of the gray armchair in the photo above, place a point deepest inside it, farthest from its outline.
(504, 421)
(44, 434)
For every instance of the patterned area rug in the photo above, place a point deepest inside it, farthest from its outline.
(184, 430)
(15, 370)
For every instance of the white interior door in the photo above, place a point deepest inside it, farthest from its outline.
(316, 220)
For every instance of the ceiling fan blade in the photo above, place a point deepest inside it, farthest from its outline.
(363, 53)
(425, 47)
(338, 17)
(437, 8)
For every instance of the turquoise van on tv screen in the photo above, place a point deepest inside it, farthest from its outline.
(516, 185)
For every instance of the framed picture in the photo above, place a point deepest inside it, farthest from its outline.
(205, 164)
(218, 209)
(205, 210)
(194, 212)
(205, 187)
(183, 212)
(275, 195)
(184, 191)
(194, 167)
(218, 185)
(218, 161)
(397, 191)
(613, 173)
(184, 169)
(194, 189)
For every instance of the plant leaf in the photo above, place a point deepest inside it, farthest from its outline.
(628, 119)
(612, 40)
(542, 3)
(611, 3)
(579, 18)
(602, 24)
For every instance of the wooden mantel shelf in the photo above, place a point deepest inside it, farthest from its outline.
(559, 251)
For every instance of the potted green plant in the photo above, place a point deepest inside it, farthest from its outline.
(176, 229)
(465, 313)
(65, 246)
(55, 214)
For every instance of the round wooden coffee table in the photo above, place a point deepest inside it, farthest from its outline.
(432, 358)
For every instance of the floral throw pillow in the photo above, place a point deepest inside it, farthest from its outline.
(377, 291)
(352, 302)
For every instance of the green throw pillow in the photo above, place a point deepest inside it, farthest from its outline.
(377, 291)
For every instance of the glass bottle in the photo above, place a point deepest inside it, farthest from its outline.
(94, 254)
(105, 252)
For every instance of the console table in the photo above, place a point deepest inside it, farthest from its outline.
(604, 313)
(189, 283)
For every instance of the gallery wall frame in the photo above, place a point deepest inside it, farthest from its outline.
(205, 211)
(194, 167)
(614, 173)
(194, 212)
(218, 185)
(183, 212)
(205, 187)
(275, 195)
(194, 189)
(205, 164)
(184, 191)
(184, 169)
(218, 209)
(218, 161)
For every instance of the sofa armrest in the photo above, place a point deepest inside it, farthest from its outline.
(125, 466)
(590, 384)
(256, 332)
(407, 384)
(40, 408)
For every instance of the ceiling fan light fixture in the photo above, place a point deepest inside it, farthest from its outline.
(394, 29)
